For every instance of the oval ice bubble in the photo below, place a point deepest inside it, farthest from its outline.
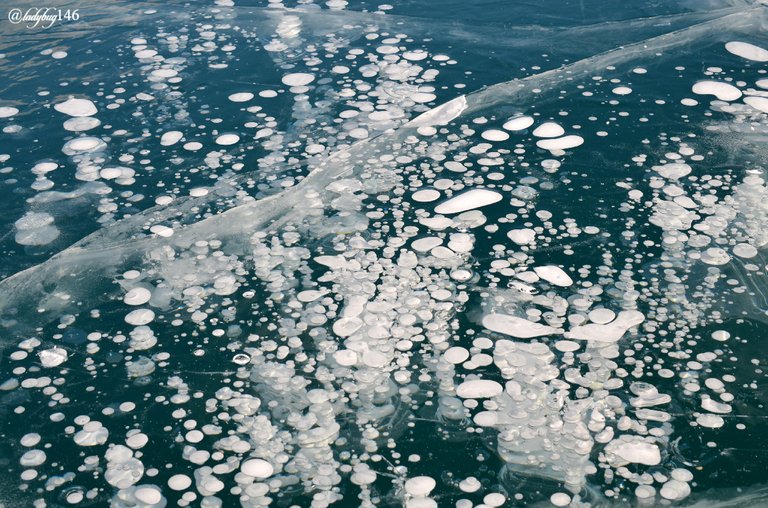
(298, 79)
(518, 123)
(469, 200)
(171, 138)
(759, 103)
(241, 97)
(8, 111)
(721, 90)
(747, 50)
(227, 139)
(563, 143)
(479, 388)
(420, 486)
(137, 296)
(257, 468)
(76, 107)
(548, 130)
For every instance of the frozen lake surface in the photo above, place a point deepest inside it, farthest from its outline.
(353, 254)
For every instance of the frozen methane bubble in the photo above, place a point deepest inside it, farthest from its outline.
(310, 295)
(723, 91)
(140, 317)
(241, 97)
(469, 200)
(426, 244)
(81, 124)
(179, 482)
(675, 490)
(608, 332)
(747, 51)
(456, 355)
(470, 484)
(36, 228)
(563, 143)
(715, 256)
(171, 138)
(136, 439)
(566, 346)
(710, 421)
(52, 357)
(33, 220)
(32, 458)
(518, 123)
(673, 171)
(548, 130)
(517, 327)
(759, 103)
(123, 469)
(30, 439)
(257, 468)
(142, 337)
(140, 367)
(601, 316)
(522, 236)
(455, 166)
(143, 496)
(345, 357)
(241, 359)
(744, 250)
(8, 111)
(76, 107)
(137, 296)
(554, 275)
(149, 495)
(479, 389)
(420, 486)
(426, 195)
(93, 433)
(494, 135)
(227, 139)
(630, 449)
(560, 499)
(83, 145)
(346, 326)
(363, 475)
(298, 79)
